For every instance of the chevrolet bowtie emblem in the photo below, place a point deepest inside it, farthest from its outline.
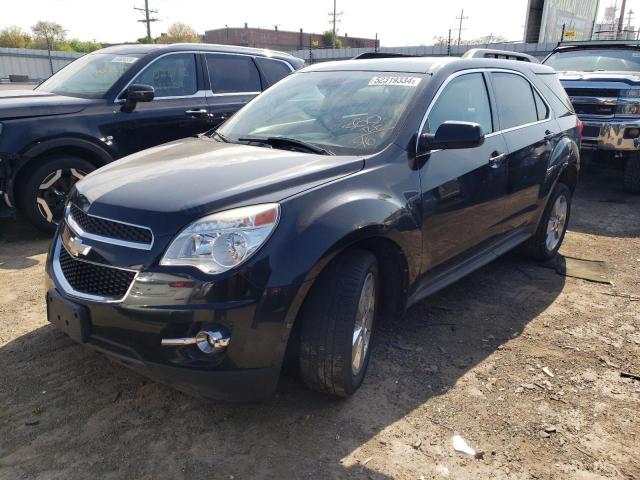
(76, 247)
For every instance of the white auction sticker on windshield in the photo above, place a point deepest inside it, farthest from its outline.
(124, 60)
(395, 81)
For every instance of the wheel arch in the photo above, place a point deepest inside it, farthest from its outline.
(77, 147)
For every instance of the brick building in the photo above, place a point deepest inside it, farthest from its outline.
(277, 39)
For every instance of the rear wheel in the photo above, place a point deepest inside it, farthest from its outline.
(45, 190)
(548, 238)
(632, 173)
(338, 323)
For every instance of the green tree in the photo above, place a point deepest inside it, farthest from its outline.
(14, 37)
(84, 46)
(47, 34)
(327, 40)
(180, 33)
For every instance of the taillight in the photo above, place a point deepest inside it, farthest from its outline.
(580, 129)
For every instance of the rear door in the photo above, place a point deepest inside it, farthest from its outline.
(463, 190)
(531, 134)
(178, 110)
(233, 81)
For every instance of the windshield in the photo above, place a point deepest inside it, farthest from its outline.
(346, 113)
(594, 60)
(90, 76)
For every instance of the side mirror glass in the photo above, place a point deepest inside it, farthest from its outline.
(137, 92)
(452, 135)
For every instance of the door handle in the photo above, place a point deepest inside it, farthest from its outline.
(496, 160)
(197, 113)
(548, 135)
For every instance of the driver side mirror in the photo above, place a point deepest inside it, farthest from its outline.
(451, 135)
(135, 93)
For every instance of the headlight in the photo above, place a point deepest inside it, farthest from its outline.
(219, 242)
(629, 103)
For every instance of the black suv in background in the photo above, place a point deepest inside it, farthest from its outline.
(348, 190)
(114, 102)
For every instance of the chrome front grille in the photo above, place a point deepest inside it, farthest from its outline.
(598, 102)
(108, 231)
(89, 280)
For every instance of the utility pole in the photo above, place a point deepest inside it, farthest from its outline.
(147, 18)
(375, 47)
(449, 44)
(621, 19)
(334, 19)
(461, 18)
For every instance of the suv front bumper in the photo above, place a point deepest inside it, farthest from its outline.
(611, 134)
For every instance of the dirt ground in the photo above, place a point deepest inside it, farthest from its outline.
(468, 361)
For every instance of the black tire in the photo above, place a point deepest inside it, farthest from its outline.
(632, 174)
(329, 317)
(29, 191)
(536, 247)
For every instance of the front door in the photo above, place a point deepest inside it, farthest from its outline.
(462, 190)
(178, 110)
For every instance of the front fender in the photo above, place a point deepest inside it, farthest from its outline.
(103, 153)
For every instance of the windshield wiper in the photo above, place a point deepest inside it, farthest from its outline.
(288, 142)
(221, 137)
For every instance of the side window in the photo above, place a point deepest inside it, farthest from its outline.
(514, 96)
(465, 99)
(233, 74)
(541, 107)
(555, 94)
(171, 76)
(273, 70)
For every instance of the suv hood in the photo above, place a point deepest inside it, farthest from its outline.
(168, 186)
(34, 103)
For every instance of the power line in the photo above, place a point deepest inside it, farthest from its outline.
(461, 18)
(335, 14)
(147, 18)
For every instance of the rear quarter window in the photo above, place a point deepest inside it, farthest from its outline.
(555, 94)
(273, 70)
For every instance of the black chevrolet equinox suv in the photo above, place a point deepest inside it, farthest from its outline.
(341, 196)
(114, 102)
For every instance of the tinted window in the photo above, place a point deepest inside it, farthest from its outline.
(515, 100)
(464, 99)
(172, 75)
(541, 107)
(233, 74)
(555, 94)
(273, 70)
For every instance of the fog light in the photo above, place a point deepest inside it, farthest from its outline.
(633, 132)
(212, 341)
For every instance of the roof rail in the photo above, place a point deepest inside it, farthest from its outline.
(598, 43)
(504, 54)
(366, 55)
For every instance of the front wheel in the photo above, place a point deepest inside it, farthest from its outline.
(548, 238)
(338, 324)
(44, 193)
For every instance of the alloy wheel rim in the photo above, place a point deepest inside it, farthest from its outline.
(556, 223)
(53, 192)
(363, 324)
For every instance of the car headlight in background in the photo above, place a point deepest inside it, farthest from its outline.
(223, 240)
(629, 103)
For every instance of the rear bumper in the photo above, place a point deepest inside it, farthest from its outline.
(610, 134)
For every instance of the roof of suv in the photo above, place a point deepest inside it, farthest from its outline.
(426, 65)
(204, 47)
